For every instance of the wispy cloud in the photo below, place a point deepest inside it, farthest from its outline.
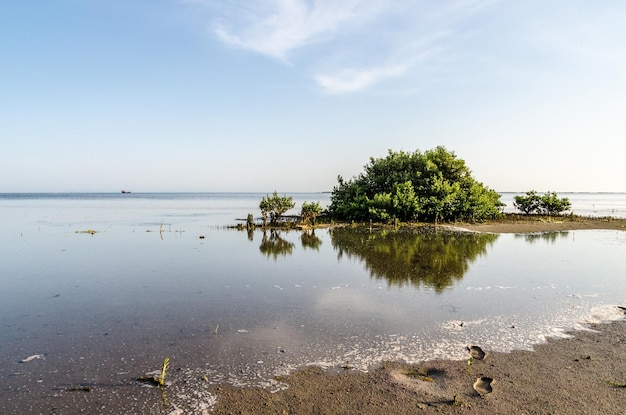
(461, 8)
(356, 79)
(277, 27)
(394, 61)
(353, 44)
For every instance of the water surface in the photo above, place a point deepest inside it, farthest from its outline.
(163, 277)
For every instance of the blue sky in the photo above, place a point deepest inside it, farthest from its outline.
(207, 95)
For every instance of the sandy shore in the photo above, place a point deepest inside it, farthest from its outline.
(582, 375)
(522, 224)
(585, 374)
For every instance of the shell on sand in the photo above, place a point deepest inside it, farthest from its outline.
(33, 357)
(483, 385)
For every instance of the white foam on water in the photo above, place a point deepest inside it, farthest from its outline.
(595, 295)
(190, 388)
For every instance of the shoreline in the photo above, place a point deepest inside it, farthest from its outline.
(585, 373)
(509, 223)
(530, 224)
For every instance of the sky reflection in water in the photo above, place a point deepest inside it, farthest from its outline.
(136, 290)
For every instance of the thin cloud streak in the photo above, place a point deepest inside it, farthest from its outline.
(355, 80)
(278, 27)
(406, 57)
(364, 41)
(461, 8)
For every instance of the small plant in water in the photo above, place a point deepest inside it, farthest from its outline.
(89, 231)
(154, 379)
(166, 364)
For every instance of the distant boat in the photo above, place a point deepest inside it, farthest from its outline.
(125, 191)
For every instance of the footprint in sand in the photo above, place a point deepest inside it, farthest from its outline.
(476, 352)
(428, 380)
(483, 385)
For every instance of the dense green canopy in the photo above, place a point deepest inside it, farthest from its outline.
(430, 186)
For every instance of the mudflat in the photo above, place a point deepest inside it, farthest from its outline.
(585, 374)
(528, 224)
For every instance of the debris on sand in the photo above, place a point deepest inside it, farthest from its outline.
(31, 358)
(89, 231)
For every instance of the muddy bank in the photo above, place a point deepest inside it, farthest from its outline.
(583, 374)
(527, 224)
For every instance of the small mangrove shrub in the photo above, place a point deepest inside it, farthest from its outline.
(275, 206)
(548, 204)
(310, 212)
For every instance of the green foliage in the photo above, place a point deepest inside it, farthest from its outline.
(528, 204)
(430, 186)
(548, 204)
(310, 212)
(551, 204)
(275, 206)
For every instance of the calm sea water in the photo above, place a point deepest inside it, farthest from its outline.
(162, 277)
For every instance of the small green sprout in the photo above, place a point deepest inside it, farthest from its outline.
(616, 384)
(456, 401)
(469, 365)
(166, 364)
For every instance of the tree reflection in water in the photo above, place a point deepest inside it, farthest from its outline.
(310, 240)
(550, 237)
(434, 259)
(274, 245)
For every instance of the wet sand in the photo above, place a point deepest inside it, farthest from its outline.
(585, 374)
(528, 224)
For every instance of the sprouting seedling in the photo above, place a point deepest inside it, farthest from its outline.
(616, 384)
(347, 366)
(456, 401)
(166, 364)
(469, 365)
